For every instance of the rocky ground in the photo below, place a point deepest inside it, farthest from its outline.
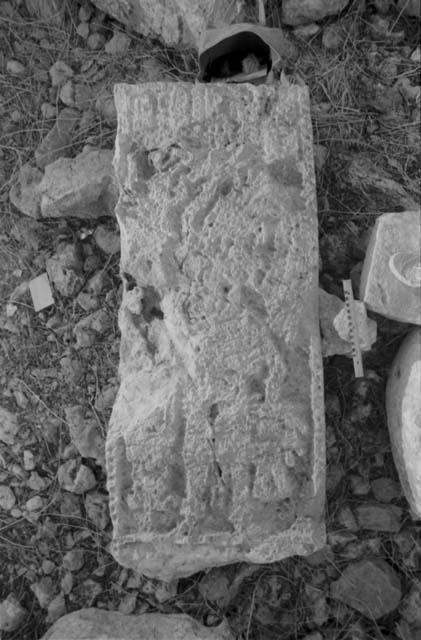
(58, 367)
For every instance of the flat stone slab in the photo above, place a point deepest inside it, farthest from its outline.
(215, 451)
(380, 289)
(403, 406)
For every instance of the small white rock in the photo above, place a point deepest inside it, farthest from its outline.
(34, 504)
(28, 460)
(67, 94)
(48, 110)
(7, 498)
(11, 614)
(60, 72)
(8, 426)
(83, 30)
(15, 68)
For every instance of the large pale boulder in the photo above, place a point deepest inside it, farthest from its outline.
(97, 624)
(215, 451)
(174, 21)
(403, 406)
(81, 187)
(390, 287)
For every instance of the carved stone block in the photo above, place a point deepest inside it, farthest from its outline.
(215, 451)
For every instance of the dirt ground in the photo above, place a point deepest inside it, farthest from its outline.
(54, 543)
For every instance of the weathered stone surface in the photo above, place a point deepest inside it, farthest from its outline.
(215, 452)
(371, 587)
(82, 187)
(174, 21)
(57, 142)
(380, 289)
(93, 624)
(25, 194)
(296, 12)
(403, 407)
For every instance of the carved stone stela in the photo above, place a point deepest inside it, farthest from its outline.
(215, 451)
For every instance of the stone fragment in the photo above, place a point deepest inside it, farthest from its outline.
(47, 567)
(64, 274)
(107, 240)
(7, 498)
(295, 12)
(410, 608)
(48, 110)
(87, 301)
(85, 434)
(119, 44)
(24, 194)
(41, 293)
(51, 11)
(83, 30)
(371, 587)
(15, 68)
(111, 625)
(34, 505)
(383, 286)
(403, 408)
(28, 460)
(80, 187)
(96, 507)
(95, 41)
(74, 560)
(181, 21)
(67, 94)
(85, 11)
(57, 142)
(12, 614)
(385, 489)
(36, 483)
(306, 31)
(44, 591)
(333, 36)
(201, 468)
(8, 426)
(379, 517)
(75, 477)
(105, 106)
(56, 608)
(70, 505)
(60, 72)
(89, 329)
(334, 326)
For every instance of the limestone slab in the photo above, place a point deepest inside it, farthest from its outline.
(97, 624)
(175, 21)
(215, 450)
(403, 406)
(380, 289)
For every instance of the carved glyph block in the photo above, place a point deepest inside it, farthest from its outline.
(215, 452)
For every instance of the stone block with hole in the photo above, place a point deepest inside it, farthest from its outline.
(391, 275)
(215, 450)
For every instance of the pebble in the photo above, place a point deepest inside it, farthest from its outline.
(74, 560)
(8, 426)
(87, 301)
(67, 94)
(85, 11)
(16, 115)
(119, 44)
(128, 604)
(67, 583)
(56, 608)
(371, 587)
(75, 477)
(107, 240)
(83, 30)
(95, 41)
(47, 567)
(88, 329)
(359, 486)
(34, 504)
(48, 110)
(72, 369)
(36, 483)
(411, 606)
(333, 36)
(97, 283)
(12, 614)
(379, 517)
(386, 489)
(7, 498)
(28, 460)
(44, 591)
(347, 519)
(306, 31)
(60, 72)
(106, 397)
(85, 434)
(70, 505)
(15, 68)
